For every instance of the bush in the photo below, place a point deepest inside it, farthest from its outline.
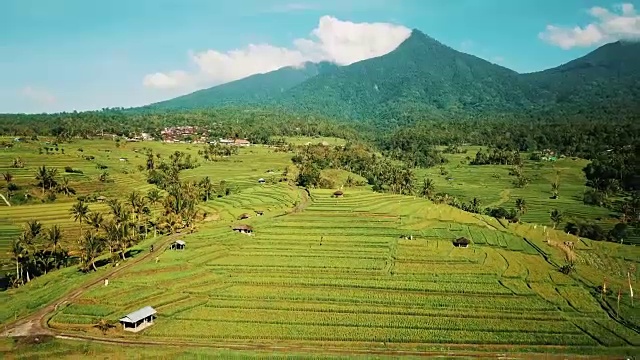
(69, 169)
(591, 231)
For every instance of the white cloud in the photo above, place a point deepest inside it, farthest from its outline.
(622, 24)
(340, 42)
(40, 96)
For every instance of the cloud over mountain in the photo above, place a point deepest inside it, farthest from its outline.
(333, 40)
(621, 24)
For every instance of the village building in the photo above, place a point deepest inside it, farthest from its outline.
(461, 242)
(244, 216)
(101, 198)
(261, 181)
(243, 229)
(178, 245)
(259, 212)
(338, 194)
(139, 319)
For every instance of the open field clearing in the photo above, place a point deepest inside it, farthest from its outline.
(340, 271)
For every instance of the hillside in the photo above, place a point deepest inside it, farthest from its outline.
(609, 75)
(250, 90)
(421, 75)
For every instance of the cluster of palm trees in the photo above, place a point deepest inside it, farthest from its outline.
(213, 151)
(48, 180)
(36, 251)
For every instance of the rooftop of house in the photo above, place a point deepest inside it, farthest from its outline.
(139, 314)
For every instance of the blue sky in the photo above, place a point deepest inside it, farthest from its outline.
(58, 55)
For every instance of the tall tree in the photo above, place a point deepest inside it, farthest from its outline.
(521, 205)
(207, 187)
(91, 248)
(80, 211)
(428, 188)
(556, 217)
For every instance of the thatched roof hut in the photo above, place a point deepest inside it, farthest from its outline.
(338, 193)
(461, 242)
(244, 216)
(243, 228)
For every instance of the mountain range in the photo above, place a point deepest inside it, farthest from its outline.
(425, 77)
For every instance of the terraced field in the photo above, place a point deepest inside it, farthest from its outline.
(341, 271)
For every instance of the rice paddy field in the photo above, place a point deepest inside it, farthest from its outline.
(494, 187)
(365, 272)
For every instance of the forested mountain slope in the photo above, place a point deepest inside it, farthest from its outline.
(423, 79)
(254, 89)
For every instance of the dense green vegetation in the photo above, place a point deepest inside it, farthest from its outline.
(255, 89)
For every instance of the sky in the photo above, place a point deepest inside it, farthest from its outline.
(65, 55)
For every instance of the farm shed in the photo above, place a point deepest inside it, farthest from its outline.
(101, 198)
(461, 242)
(243, 229)
(261, 180)
(338, 194)
(178, 245)
(139, 319)
(244, 216)
(259, 212)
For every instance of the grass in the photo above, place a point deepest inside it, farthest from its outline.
(341, 272)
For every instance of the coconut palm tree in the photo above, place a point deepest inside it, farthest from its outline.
(154, 196)
(42, 176)
(207, 188)
(112, 237)
(32, 230)
(54, 236)
(91, 248)
(95, 219)
(80, 211)
(521, 205)
(428, 188)
(556, 217)
(65, 188)
(18, 252)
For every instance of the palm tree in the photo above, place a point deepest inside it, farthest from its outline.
(521, 205)
(207, 187)
(80, 211)
(42, 175)
(33, 230)
(428, 188)
(95, 219)
(112, 237)
(556, 217)
(91, 248)
(65, 188)
(18, 252)
(154, 196)
(555, 187)
(54, 236)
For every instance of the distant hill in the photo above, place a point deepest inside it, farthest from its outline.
(608, 76)
(254, 89)
(424, 78)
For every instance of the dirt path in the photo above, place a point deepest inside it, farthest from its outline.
(35, 324)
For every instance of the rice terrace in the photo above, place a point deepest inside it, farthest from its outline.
(404, 201)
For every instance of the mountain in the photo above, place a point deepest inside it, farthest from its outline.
(608, 76)
(425, 78)
(420, 75)
(254, 89)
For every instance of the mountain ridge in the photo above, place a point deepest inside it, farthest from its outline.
(424, 77)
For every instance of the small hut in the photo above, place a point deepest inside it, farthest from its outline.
(244, 216)
(101, 199)
(461, 242)
(243, 229)
(178, 245)
(338, 194)
(261, 181)
(259, 212)
(139, 319)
